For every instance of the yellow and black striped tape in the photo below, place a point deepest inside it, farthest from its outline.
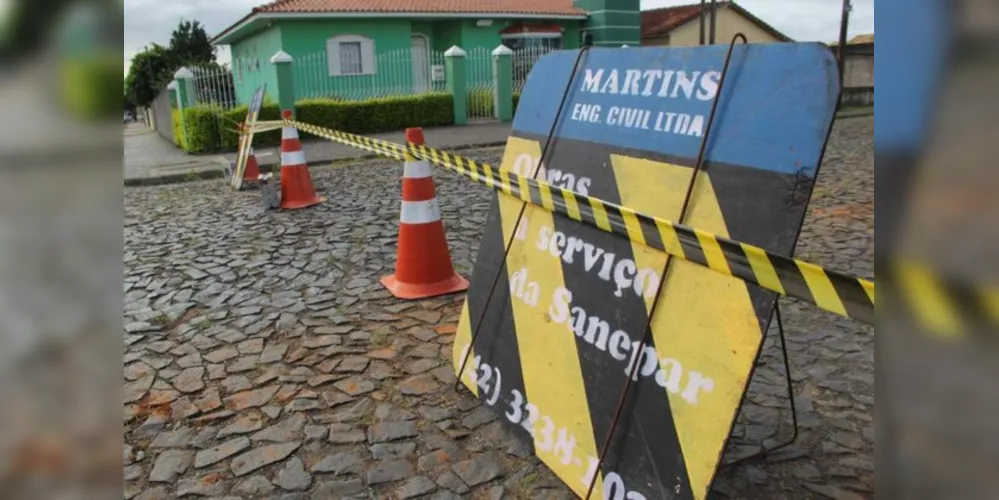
(830, 290)
(267, 125)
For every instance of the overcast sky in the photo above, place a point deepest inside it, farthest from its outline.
(149, 21)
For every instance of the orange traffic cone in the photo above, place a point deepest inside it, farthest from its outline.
(423, 261)
(296, 183)
(252, 171)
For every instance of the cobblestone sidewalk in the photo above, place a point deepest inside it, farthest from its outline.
(264, 360)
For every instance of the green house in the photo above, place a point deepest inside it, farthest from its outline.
(355, 49)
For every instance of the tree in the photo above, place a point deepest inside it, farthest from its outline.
(151, 70)
(189, 45)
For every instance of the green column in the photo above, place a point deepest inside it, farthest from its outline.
(612, 23)
(185, 87)
(457, 82)
(184, 81)
(285, 90)
(503, 82)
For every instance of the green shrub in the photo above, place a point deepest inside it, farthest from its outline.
(202, 127)
(209, 128)
(516, 101)
(178, 130)
(481, 101)
(232, 118)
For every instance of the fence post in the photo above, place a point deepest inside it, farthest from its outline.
(184, 81)
(503, 82)
(285, 81)
(457, 82)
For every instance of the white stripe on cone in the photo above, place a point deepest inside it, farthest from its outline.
(289, 133)
(420, 212)
(292, 158)
(417, 169)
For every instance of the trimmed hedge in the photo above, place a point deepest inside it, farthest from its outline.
(208, 132)
(480, 100)
(483, 99)
(230, 119)
(378, 115)
(178, 131)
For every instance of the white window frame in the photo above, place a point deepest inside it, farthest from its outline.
(368, 65)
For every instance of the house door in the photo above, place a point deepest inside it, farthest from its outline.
(421, 64)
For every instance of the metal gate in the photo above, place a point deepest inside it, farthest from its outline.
(480, 85)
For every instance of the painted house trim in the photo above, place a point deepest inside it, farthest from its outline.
(226, 37)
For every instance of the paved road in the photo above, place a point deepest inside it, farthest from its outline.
(264, 360)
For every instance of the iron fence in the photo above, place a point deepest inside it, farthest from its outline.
(480, 84)
(523, 61)
(400, 72)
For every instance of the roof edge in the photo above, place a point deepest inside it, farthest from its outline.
(721, 3)
(252, 16)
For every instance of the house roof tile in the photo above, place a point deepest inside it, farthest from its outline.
(554, 7)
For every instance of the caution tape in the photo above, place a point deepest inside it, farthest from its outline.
(267, 126)
(833, 291)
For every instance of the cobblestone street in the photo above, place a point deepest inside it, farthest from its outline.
(264, 360)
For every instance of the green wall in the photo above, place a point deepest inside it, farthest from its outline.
(612, 22)
(424, 28)
(306, 40)
(446, 34)
(473, 36)
(260, 47)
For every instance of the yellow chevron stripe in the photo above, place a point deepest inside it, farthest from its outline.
(868, 287)
(763, 268)
(705, 322)
(931, 305)
(821, 287)
(670, 240)
(713, 253)
(634, 227)
(552, 370)
(546, 196)
(600, 214)
(572, 206)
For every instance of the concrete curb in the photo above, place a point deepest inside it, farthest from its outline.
(196, 175)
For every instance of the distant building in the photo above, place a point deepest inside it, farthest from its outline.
(680, 25)
(858, 65)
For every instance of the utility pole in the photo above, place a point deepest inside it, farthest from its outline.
(700, 14)
(714, 14)
(844, 22)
